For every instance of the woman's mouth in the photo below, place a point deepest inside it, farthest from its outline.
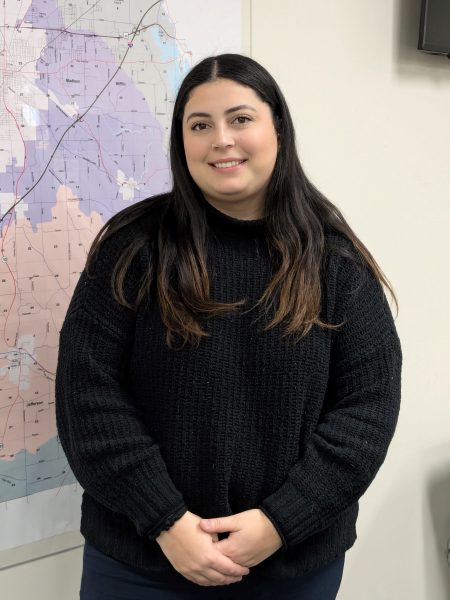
(225, 165)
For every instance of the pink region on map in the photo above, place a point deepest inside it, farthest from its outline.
(117, 148)
(36, 285)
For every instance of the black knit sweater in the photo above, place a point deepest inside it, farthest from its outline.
(247, 420)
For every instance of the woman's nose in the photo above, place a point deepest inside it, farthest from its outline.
(222, 138)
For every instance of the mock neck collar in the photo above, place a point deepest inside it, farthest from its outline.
(223, 223)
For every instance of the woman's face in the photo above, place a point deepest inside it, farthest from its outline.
(230, 145)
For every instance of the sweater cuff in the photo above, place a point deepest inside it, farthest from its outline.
(294, 516)
(167, 522)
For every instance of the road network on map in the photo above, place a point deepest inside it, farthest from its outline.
(87, 92)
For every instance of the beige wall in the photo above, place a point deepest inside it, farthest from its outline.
(373, 124)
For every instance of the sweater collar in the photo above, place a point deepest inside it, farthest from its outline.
(220, 222)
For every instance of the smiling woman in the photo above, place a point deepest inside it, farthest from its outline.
(228, 378)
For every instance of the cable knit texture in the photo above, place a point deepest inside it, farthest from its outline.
(247, 420)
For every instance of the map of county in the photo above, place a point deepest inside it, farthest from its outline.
(87, 93)
(113, 155)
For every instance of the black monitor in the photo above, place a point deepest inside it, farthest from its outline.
(434, 34)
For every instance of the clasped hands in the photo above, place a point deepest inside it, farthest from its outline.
(193, 547)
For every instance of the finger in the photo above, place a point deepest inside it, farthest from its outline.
(212, 577)
(219, 525)
(228, 567)
(230, 549)
(223, 546)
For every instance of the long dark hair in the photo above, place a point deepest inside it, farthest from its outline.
(296, 217)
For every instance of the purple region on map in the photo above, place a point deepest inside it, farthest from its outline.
(118, 140)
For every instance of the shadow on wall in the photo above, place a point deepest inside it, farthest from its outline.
(408, 60)
(438, 495)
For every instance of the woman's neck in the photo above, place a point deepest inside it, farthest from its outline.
(244, 210)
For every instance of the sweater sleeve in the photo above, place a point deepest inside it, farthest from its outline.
(350, 442)
(100, 427)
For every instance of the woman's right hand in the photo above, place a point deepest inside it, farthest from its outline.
(191, 552)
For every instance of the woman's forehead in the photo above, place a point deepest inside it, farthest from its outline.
(221, 95)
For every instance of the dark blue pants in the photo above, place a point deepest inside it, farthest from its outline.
(105, 578)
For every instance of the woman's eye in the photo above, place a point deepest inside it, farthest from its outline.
(198, 126)
(241, 119)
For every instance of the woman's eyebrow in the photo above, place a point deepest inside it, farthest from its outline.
(227, 112)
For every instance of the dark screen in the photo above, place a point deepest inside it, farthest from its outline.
(435, 26)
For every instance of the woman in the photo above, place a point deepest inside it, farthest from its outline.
(228, 355)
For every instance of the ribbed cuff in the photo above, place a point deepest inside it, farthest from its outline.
(294, 516)
(166, 523)
(148, 501)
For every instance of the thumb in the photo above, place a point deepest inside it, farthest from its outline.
(221, 524)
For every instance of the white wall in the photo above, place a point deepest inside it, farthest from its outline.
(373, 123)
(373, 126)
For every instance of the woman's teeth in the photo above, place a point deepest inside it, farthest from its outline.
(225, 165)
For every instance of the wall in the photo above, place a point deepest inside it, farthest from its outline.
(373, 129)
(373, 126)
(52, 578)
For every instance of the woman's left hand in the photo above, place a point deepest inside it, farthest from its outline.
(252, 537)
